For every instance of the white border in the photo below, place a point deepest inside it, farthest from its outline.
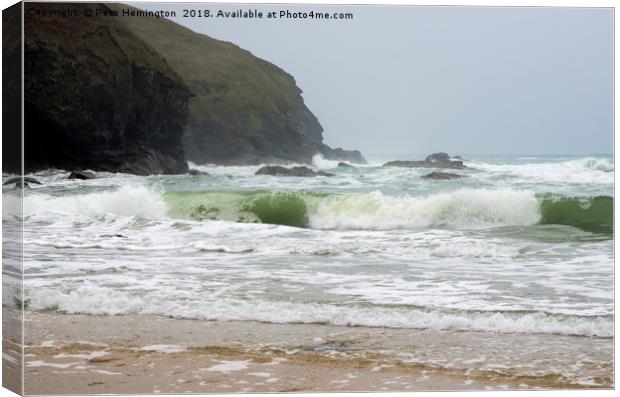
(518, 3)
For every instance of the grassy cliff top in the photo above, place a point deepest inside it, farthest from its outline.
(224, 74)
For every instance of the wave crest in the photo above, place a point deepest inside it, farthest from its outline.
(105, 301)
(464, 208)
(139, 201)
(585, 170)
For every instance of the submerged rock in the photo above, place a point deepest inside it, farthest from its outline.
(198, 173)
(344, 165)
(435, 160)
(81, 175)
(278, 170)
(19, 182)
(442, 176)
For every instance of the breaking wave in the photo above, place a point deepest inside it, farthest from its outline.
(104, 301)
(585, 170)
(465, 208)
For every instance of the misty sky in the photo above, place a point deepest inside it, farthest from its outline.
(458, 79)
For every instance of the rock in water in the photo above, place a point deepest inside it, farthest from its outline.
(435, 160)
(278, 170)
(351, 156)
(97, 96)
(442, 176)
(440, 157)
(81, 175)
(198, 173)
(344, 165)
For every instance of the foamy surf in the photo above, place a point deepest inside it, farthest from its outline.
(105, 302)
(462, 208)
(495, 251)
(126, 201)
(588, 170)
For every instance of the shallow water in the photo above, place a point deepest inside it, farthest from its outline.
(381, 358)
(521, 245)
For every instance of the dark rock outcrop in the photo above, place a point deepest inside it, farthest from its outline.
(440, 157)
(245, 110)
(344, 165)
(278, 170)
(99, 97)
(351, 156)
(81, 175)
(442, 176)
(198, 173)
(436, 160)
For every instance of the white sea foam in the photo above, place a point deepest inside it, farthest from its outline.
(462, 208)
(127, 201)
(40, 363)
(220, 170)
(588, 170)
(229, 366)
(321, 162)
(164, 348)
(106, 302)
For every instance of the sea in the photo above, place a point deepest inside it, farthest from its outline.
(519, 245)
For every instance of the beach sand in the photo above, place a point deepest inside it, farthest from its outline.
(81, 354)
(12, 348)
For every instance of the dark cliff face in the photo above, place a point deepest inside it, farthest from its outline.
(98, 97)
(11, 89)
(245, 110)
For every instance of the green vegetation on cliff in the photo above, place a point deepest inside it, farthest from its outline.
(244, 109)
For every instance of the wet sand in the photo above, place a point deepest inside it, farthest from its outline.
(81, 354)
(12, 348)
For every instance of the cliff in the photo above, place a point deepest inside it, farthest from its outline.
(245, 110)
(97, 96)
(11, 89)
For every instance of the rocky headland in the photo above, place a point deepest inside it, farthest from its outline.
(145, 95)
(98, 97)
(244, 110)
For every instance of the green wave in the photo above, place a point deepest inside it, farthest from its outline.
(278, 208)
(593, 214)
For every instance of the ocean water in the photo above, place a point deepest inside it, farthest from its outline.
(522, 244)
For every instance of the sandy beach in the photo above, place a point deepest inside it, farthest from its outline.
(77, 354)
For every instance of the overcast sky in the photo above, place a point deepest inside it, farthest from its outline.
(413, 79)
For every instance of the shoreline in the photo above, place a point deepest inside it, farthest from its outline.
(74, 354)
